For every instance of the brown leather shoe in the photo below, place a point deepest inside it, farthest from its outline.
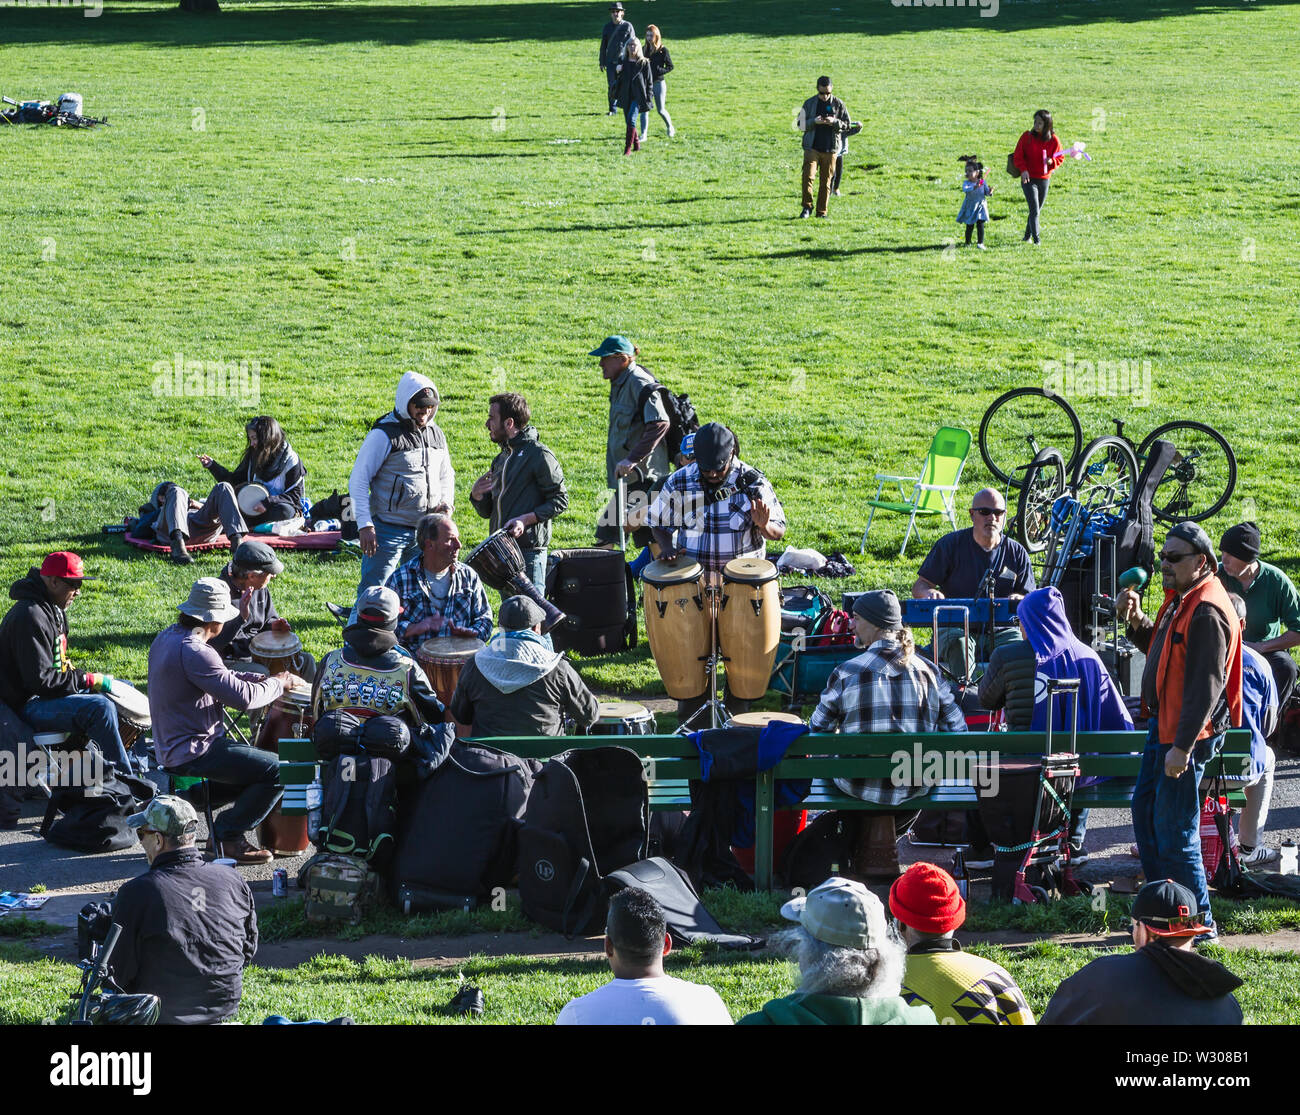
(241, 851)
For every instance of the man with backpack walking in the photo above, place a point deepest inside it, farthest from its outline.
(635, 446)
(615, 36)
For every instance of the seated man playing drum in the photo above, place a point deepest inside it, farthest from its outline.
(37, 680)
(188, 687)
(963, 564)
(372, 674)
(714, 511)
(440, 596)
(248, 575)
(517, 685)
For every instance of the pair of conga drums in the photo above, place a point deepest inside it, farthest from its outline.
(442, 660)
(679, 615)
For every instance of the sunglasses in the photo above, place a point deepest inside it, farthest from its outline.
(987, 511)
(1173, 559)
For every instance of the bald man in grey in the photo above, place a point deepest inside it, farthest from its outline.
(963, 564)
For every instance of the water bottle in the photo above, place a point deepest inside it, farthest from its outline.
(1288, 865)
(960, 875)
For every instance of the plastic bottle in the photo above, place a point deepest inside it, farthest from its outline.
(959, 874)
(1288, 865)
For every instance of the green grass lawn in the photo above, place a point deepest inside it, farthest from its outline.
(345, 192)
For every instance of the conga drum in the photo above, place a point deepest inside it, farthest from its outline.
(678, 625)
(749, 625)
(289, 722)
(763, 719)
(132, 711)
(623, 718)
(278, 651)
(442, 661)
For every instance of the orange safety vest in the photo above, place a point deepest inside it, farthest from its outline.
(1171, 668)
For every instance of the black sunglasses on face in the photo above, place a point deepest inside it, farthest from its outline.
(987, 511)
(1174, 559)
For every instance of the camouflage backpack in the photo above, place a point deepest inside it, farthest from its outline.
(339, 888)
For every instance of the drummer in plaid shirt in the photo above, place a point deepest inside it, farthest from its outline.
(440, 596)
(719, 507)
(889, 688)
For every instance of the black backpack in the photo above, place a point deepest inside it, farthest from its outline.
(682, 419)
(459, 832)
(94, 819)
(670, 886)
(358, 809)
(588, 813)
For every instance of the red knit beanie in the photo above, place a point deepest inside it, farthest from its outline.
(926, 899)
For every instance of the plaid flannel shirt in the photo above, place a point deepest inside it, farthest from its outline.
(878, 692)
(467, 603)
(713, 533)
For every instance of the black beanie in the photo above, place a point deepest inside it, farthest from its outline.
(1241, 541)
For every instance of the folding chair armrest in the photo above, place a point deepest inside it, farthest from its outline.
(938, 487)
(885, 477)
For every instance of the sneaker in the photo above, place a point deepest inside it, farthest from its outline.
(1258, 856)
(468, 1000)
(339, 612)
(610, 112)
(836, 193)
(822, 216)
(981, 247)
(672, 132)
(1206, 938)
(805, 213)
(1078, 857)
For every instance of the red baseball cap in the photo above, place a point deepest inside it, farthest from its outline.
(64, 564)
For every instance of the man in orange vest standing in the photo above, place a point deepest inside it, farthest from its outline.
(1191, 689)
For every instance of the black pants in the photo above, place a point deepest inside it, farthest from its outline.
(1036, 196)
(1284, 674)
(977, 225)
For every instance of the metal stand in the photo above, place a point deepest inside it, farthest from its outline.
(719, 717)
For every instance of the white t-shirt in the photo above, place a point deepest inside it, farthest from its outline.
(658, 1001)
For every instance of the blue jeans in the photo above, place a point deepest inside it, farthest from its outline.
(535, 568)
(630, 113)
(90, 713)
(1167, 820)
(393, 546)
(256, 772)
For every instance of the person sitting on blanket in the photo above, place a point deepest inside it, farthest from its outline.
(248, 575)
(1016, 680)
(372, 674)
(37, 680)
(174, 517)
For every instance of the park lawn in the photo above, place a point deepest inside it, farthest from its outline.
(344, 193)
(528, 990)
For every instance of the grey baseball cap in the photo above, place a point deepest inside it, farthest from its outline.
(257, 556)
(172, 816)
(209, 601)
(378, 606)
(518, 613)
(840, 912)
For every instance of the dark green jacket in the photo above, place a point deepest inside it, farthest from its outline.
(838, 1010)
(525, 477)
(1009, 683)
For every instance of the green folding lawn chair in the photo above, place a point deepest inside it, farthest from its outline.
(932, 491)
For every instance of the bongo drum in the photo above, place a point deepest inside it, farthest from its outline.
(678, 625)
(249, 496)
(132, 711)
(442, 661)
(278, 651)
(749, 625)
(623, 718)
(288, 723)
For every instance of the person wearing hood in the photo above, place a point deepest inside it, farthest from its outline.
(1272, 603)
(850, 965)
(519, 686)
(269, 460)
(372, 674)
(402, 473)
(524, 489)
(1016, 680)
(1162, 982)
(1192, 691)
(37, 680)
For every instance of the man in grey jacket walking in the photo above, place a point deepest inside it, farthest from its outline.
(524, 489)
(613, 46)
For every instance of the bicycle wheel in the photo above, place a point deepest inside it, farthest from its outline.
(1202, 476)
(1106, 476)
(1044, 481)
(1020, 423)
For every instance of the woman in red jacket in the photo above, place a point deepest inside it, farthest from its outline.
(1037, 154)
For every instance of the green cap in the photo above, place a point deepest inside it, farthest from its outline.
(171, 816)
(612, 346)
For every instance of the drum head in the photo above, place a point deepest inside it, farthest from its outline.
(275, 644)
(452, 648)
(299, 694)
(671, 572)
(754, 571)
(249, 496)
(621, 710)
(762, 719)
(133, 703)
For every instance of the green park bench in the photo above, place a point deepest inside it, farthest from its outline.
(671, 761)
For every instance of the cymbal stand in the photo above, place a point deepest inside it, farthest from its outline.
(719, 717)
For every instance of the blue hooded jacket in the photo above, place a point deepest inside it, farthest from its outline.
(1258, 706)
(1060, 654)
